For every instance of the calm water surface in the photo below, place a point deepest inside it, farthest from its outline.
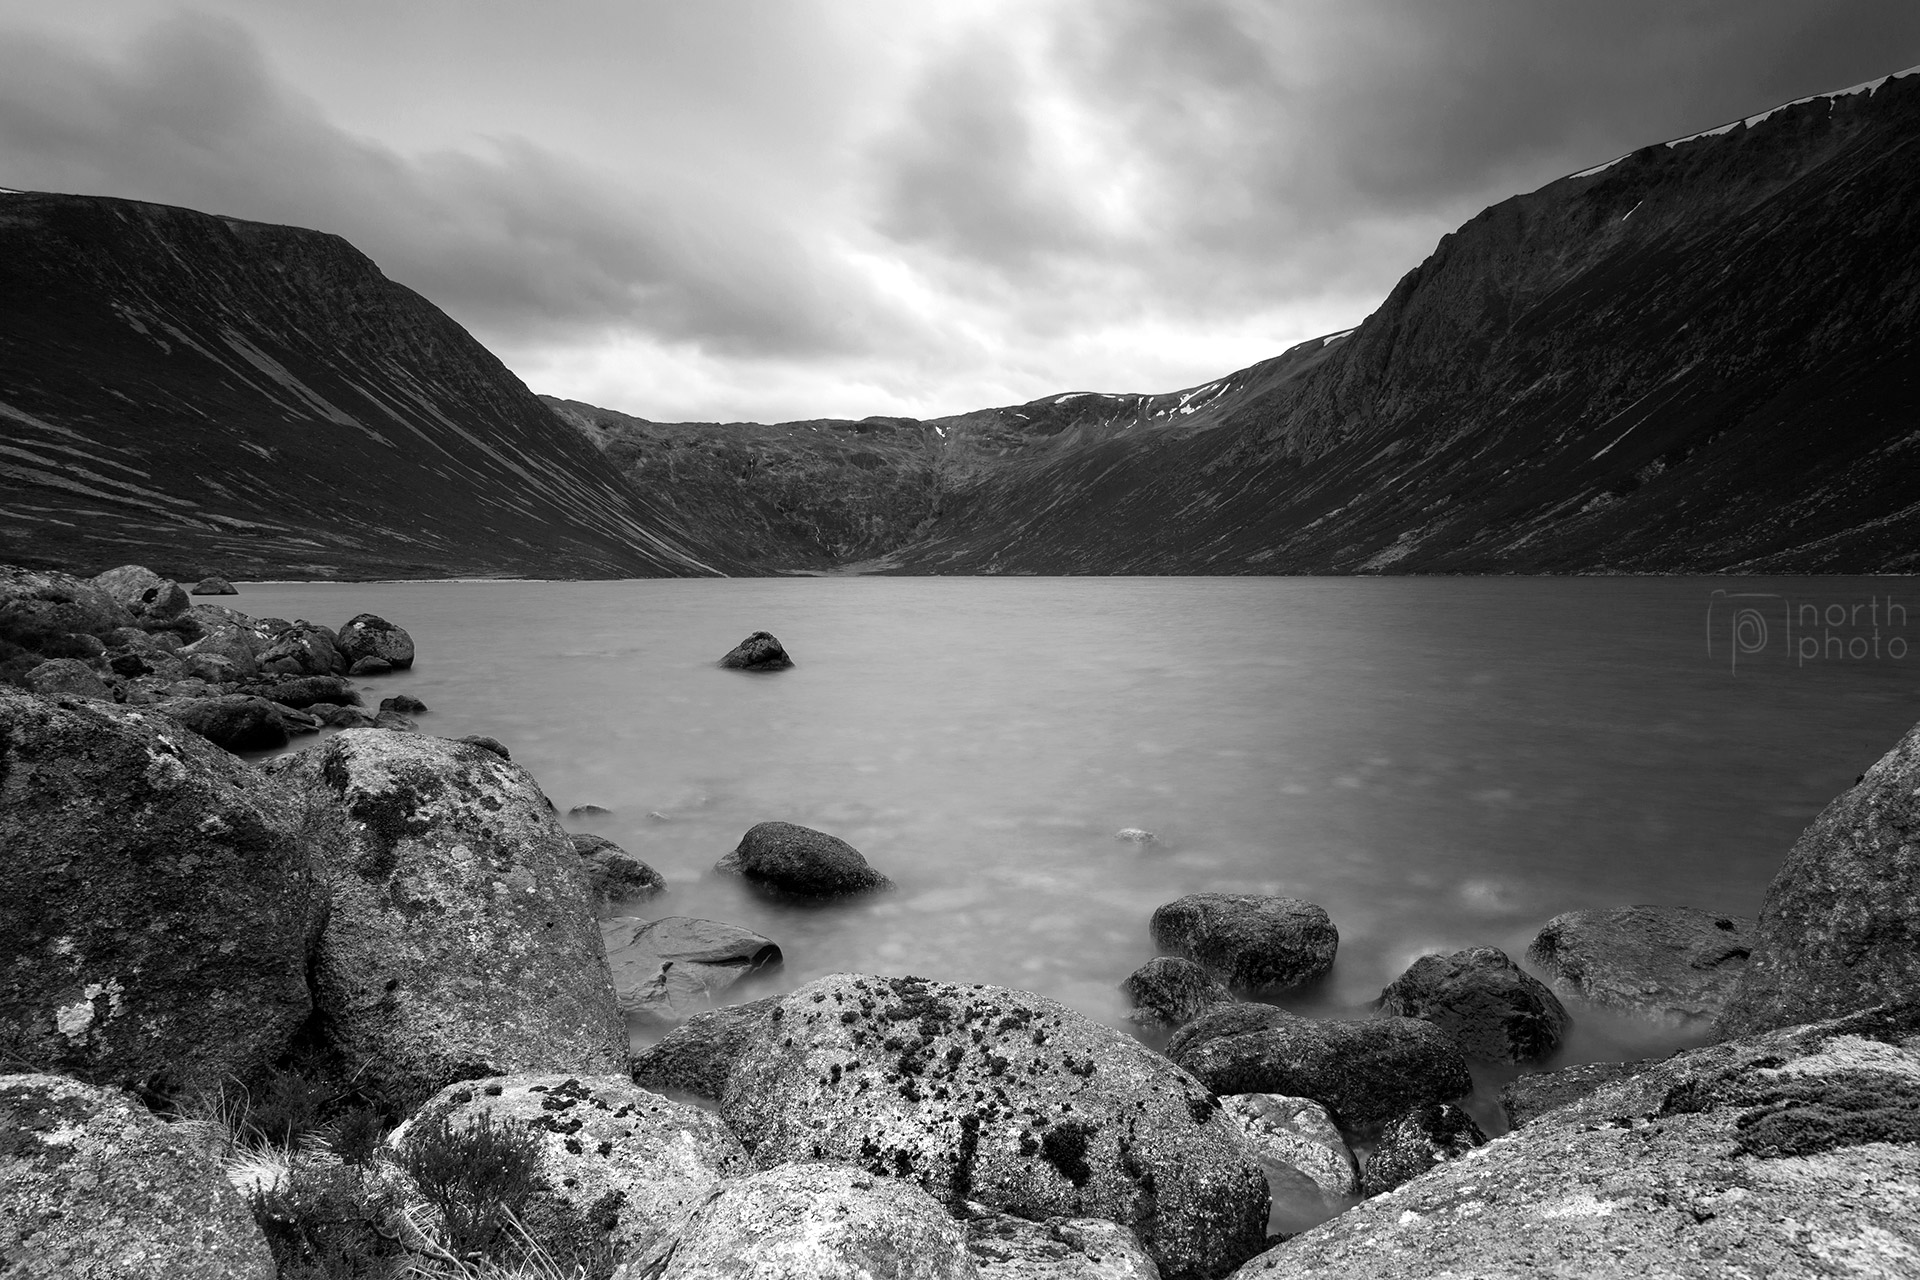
(1440, 763)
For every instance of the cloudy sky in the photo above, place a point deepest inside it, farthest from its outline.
(720, 209)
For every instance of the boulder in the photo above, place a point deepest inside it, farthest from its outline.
(817, 1222)
(1793, 1153)
(696, 1057)
(588, 811)
(71, 676)
(758, 652)
(1416, 1142)
(368, 635)
(485, 743)
(1531, 1097)
(1840, 928)
(460, 942)
(214, 585)
(405, 704)
(620, 1168)
(614, 875)
(369, 667)
(93, 1187)
(1672, 964)
(1258, 945)
(1228, 1020)
(394, 721)
(36, 604)
(1168, 992)
(1005, 1247)
(240, 646)
(1134, 835)
(668, 969)
(304, 691)
(1365, 1073)
(1495, 1010)
(157, 901)
(339, 717)
(234, 721)
(133, 663)
(800, 862)
(1310, 1169)
(153, 601)
(1003, 1097)
(303, 649)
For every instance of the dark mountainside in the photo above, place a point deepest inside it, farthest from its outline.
(204, 394)
(1699, 358)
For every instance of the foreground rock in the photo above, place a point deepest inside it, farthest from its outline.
(1004, 1097)
(817, 1221)
(1422, 1138)
(1530, 1097)
(1494, 1010)
(1168, 992)
(1840, 928)
(1674, 964)
(370, 636)
(157, 901)
(615, 876)
(1310, 1169)
(92, 1187)
(697, 1056)
(460, 942)
(800, 862)
(1365, 1073)
(1794, 1153)
(1008, 1248)
(671, 968)
(619, 1167)
(758, 652)
(1258, 945)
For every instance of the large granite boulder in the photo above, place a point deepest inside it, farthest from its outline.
(696, 1057)
(1792, 1153)
(758, 652)
(1496, 1011)
(813, 1222)
(800, 862)
(1167, 993)
(1840, 928)
(1417, 1141)
(1365, 1073)
(621, 1169)
(671, 968)
(614, 876)
(1004, 1097)
(461, 942)
(36, 604)
(1670, 964)
(1254, 944)
(157, 901)
(368, 635)
(93, 1187)
(233, 721)
(153, 601)
(70, 676)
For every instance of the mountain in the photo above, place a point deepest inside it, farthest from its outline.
(203, 394)
(1699, 357)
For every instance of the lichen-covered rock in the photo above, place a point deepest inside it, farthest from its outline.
(214, 585)
(1168, 992)
(36, 604)
(1254, 944)
(1228, 1020)
(304, 649)
(1792, 1153)
(1008, 1248)
(1673, 964)
(1496, 1011)
(233, 721)
(368, 635)
(1530, 1097)
(460, 941)
(800, 862)
(1840, 928)
(93, 1187)
(671, 968)
(1310, 1169)
(1365, 1073)
(152, 600)
(1416, 1142)
(619, 1166)
(615, 876)
(157, 901)
(1003, 1097)
(70, 676)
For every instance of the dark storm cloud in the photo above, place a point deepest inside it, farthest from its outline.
(511, 235)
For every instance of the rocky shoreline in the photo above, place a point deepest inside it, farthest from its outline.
(353, 1009)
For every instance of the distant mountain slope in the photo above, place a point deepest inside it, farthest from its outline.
(199, 393)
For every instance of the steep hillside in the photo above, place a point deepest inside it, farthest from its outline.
(202, 394)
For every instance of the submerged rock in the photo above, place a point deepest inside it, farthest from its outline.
(1495, 1010)
(614, 875)
(1254, 944)
(1673, 964)
(758, 652)
(1416, 1142)
(368, 635)
(668, 969)
(801, 862)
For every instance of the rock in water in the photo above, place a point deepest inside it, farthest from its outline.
(368, 635)
(1004, 1097)
(1416, 1142)
(157, 901)
(801, 862)
(1254, 944)
(1170, 992)
(697, 1056)
(153, 600)
(670, 968)
(95, 1188)
(214, 585)
(304, 650)
(1840, 928)
(461, 942)
(614, 875)
(1496, 1012)
(758, 652)
(1675, 964)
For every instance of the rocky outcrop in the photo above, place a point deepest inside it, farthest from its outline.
(799, 862)
(1674, 964)
(368, 635)
(1167, 992)
(1840, 929)
(158, 901)
(1004, 1097)
(1495, 1011)
(615, 876)
(1416, 1142)
(460, 941)
(1254, 944)
(668, 969)
(696, 1057)
(758, 652)
(1795, 1152)
(92, 1187)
